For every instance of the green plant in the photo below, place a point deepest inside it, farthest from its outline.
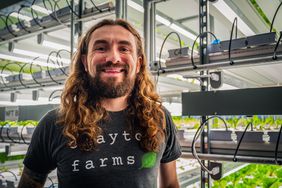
(12, 123)
(233, 122)
(3, 123)
(4, 157)
(253, 175)
(278, 122)
(258, 123)
(215, 123)
(269, 122)
(28, 123)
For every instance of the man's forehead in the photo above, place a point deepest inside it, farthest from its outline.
(112, 32)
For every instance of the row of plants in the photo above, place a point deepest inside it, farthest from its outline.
(234, 122)
(4, 157)
(253, 176)
(19, 123)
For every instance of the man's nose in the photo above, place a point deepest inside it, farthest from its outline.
(113, 56)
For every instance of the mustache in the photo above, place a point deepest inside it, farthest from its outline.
(109, 64)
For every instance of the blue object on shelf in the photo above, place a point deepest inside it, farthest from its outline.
(216, 41)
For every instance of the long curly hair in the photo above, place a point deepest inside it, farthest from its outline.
(81, 116)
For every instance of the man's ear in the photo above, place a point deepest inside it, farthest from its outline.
(139, 62)
(84, 61)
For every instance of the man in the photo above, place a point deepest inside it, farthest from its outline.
(111, 129)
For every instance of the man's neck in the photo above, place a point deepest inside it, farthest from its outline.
(115, 104)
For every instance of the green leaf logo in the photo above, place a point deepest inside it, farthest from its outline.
(149, 160)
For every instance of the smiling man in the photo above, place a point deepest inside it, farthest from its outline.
(111, 129)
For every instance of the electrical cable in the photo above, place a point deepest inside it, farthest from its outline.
(96, 6)
(51, 95)
(56, 16)
(22, 22)
(230, 40)
(9, 137)
(51, 6)
(54, 12)
(274, 57)
(73, 11)
(192, 51)
(4, 68)
(31, 72)
(10, 173)
(273, 19)
(159, 67)
(239, 143)
(20, 73)
(196, 136)
(276, 147)
(22, 137)
(36, 19)
(48, 69)
(9, 26)
(61, 64)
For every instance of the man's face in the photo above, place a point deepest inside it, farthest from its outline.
(112, 62)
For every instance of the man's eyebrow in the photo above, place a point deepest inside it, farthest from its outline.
(100, 42)
(125, 42)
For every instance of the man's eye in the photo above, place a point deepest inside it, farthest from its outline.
(100, 49)
(124, 50)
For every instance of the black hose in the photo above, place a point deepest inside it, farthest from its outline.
(230, 41)
(273, 19)
(32, 72)
(276, 147)
(239, 143)
(192, 51)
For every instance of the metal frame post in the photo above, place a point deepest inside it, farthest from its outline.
(203, 23)
(153, 34)
(72, 26)
(149, 30)
(121, 9)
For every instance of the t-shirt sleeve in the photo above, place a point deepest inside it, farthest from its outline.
(38, 157)
(172, 148)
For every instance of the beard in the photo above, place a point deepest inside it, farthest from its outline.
(110, 88)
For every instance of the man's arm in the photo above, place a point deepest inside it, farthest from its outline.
(168, 175)
(31, 179)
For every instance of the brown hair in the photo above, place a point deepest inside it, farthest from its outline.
(81, 118)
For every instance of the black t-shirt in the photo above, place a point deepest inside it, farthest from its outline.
(118, 160)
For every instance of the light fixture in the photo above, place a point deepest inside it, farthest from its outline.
(40, 9)
(136, 6)
(23, 59)
(20, 16)
(53, 42)
(229, 13)
(33, 52)
(55, 45)
(164, 21)
(43, 56)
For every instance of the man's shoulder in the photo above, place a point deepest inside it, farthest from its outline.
(50, 117)
(166, 112)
